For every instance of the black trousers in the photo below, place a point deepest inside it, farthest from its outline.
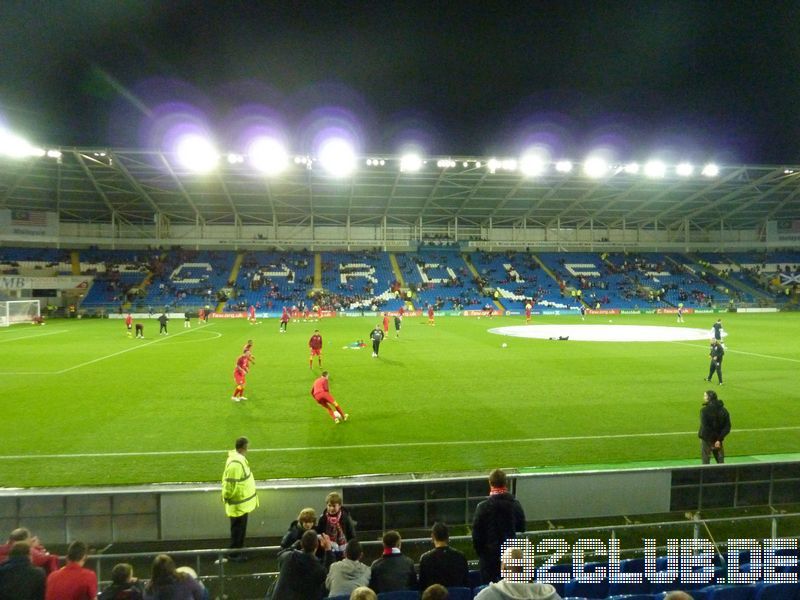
(376, 345)
(238, 531)
(715, 367)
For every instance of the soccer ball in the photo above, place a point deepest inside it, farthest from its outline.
(504, 345)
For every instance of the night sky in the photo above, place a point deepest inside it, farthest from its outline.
(697, 80)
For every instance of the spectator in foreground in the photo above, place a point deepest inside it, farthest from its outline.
(40, 557)
(336, 523)
(302, 575)
(19, 579)
(435, 592)
(73, 581)
(124, 586)
(393, 571)
(167, 582)
(346, 575)
(496, 520)
(515, 583)
(443, 565)
(363, 593)
(306, 520)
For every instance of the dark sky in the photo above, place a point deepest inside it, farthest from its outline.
(702, 79)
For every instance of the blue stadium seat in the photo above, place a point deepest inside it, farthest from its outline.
(732, 592)
(586, 590)
(479, 588)
(630, 589)
(777, 591)
(339, 597)
(459, 593)
(399, 595)
(474, 578)
(629, 597)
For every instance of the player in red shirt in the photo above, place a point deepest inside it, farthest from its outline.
(201, 316)
(129, 323)
(430, 315)
(321, 393)
(240, 376)
(315, 343)
(284, 320)
(252, 318)
(248, 350)
(528, 312)
(402, 312)
(385, 324)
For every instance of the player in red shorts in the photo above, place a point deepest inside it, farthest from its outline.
(315, 343)
(240, 376)
(528, 312)
(252, 317)
(321, 393)
(284, 320)
(385, 324)
(430, 315)
(129, 323)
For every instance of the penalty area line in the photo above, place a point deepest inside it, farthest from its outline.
(616, 436)
(732, 351)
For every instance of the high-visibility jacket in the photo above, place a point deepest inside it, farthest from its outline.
(238, 486)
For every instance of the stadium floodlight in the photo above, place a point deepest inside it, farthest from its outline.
(268, 156)
(595, 167)
(235, 159)
(684, 169)
(493, 164)
(655, 169)
(337, 157)
(197, 154)
(631, 168)
(410, 163)
(54, 153)
(564, 166)
(531, 165)
(710, 170)
(16, 147)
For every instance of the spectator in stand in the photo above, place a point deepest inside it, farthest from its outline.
(435, 592)
(516, 583)
(336, 523)
(348, 574)
(306, 520)
(393, 571)
(124, 586)
(496, 520)
(363, 593)
(302, 574)
(73, 581)
(443, 564)
(40, 557)
(167, 582)
(19, 579)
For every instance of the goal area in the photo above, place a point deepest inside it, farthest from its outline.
(19, 311)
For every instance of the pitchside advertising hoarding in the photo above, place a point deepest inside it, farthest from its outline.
(784, 230)
(686, 561)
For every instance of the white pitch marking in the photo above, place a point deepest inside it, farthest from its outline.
(397, 445)
(35, 335)
(770, 356)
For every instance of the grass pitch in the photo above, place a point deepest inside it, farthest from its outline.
(83, 404)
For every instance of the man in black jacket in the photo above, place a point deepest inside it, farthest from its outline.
(715, 424)
(393, 571)
(19, 579)
(302, 574)
(496, 520)
(715, 354)
(443, 565)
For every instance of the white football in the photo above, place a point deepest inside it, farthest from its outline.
(504, 345)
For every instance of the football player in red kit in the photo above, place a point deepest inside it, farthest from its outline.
(129, 323)
(315, 343)
(252, 317)
(385, 324)
(320, 391)
(430, 315)
(240, 376)
(284, 320)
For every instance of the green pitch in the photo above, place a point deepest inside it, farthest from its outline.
(83, 404)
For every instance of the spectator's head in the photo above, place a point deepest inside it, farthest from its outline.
(77, 552)
(163, 571)
(20, 549)
(710, 397)
(241, 444)
(391, 539)
(333, 501)
(121, 574)
(440, 533)
(677, 595)
(19, 535)
(498, 479)
(435, 592)
(309, 542)
(511, 567)
(307, 518)
(363, 593)
(353, 549)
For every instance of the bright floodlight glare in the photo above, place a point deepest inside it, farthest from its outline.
(410, 163)
(493, 164)
(684, 169)
(197, 154)
(268, 156)
(531, 165)
(16, 147)
(711, 170)
(655, 168)
(563, 166)
(595, 167)
(631, 168)
(337, 157)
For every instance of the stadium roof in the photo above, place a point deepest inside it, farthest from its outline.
(89, 185)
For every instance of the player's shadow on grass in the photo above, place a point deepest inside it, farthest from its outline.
(393, 363)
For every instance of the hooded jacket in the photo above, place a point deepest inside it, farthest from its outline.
(514, 590)
(345, 576)
(715, 422)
